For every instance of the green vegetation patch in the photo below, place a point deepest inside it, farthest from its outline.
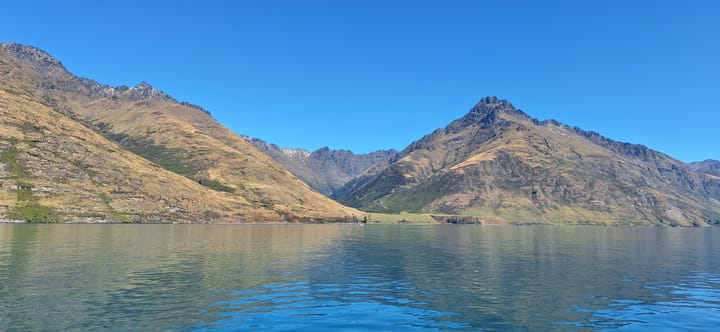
(169, 159)
(28, 127)
(33, 212)
(217, 186)
(121, 217)
(104, 198)
(263, 202)
(8, 158)
(114, 215)
(408, 200)
(413, 218)
(28, 208)
(24, 192)
(411, 200)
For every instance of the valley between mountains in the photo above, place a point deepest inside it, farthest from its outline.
(75, 150)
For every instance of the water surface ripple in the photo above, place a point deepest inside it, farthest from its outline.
(354, 278)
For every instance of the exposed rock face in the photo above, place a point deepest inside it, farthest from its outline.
(44, 62)
(498, 162)
(324, 170)
(73, 148)
(467, 220)
(710, 167)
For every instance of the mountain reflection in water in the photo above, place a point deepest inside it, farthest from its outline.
(348, 277)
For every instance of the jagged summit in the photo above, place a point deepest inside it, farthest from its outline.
(488, 114)
(490, 103)
(490, 107)
(44, 61)
(54, 76)
(325, 169)
(145, 91)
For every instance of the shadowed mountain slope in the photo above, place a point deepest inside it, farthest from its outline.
(710, 167)
(324, 170)
(498, 162)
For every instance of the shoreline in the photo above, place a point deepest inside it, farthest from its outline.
(108, 222)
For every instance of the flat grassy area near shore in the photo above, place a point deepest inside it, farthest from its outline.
(387, 218)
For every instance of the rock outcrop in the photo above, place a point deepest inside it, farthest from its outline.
(710, 167)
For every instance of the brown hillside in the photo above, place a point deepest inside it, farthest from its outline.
(498, 162)
(177, 138)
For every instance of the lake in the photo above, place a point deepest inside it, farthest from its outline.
(358, 278)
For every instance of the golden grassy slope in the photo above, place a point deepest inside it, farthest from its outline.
(57, 169)
(213, 171)
(606, 187)
(213, 153)
(506, 165)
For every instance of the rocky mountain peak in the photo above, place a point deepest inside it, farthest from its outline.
(54, 76)
(491, 105)
(486, 114)
(44, 61)
(145, 91)
(492, 102)
(296, 153)
(144, 86)
(325, 153)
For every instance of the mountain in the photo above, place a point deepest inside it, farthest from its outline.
(497, 162)
(710, 167)
(79, 149)
(324, 170)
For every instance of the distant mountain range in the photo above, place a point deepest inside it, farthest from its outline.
(72, 149)
(75, 149)
(325, 170)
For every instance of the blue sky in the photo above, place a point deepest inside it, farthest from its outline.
(366, 75)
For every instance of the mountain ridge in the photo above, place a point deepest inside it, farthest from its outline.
(178, 137)
(708, 166)
(496, 161)
(53, 67)
(324, 169)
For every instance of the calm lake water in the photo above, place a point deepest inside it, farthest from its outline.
(357, 278)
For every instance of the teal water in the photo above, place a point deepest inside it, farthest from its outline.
(357, 278)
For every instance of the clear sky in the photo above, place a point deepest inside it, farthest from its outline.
(366, 75)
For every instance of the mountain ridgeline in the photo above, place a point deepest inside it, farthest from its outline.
(73, 149)
(325, 170)
(497, 162)
(710, 167)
